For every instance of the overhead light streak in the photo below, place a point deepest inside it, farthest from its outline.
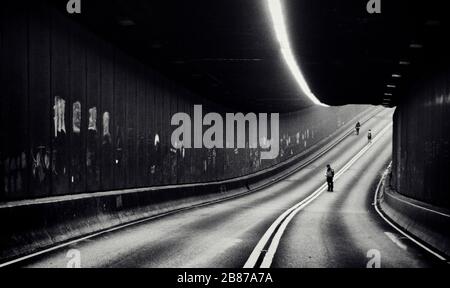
(279, 26)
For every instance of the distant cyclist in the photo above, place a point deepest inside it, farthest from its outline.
(330, 176)
(357, 127)
(369, 136)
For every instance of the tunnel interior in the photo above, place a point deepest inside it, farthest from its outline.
(81, 115)
(123, 57)
(87, 99)
(348, 57)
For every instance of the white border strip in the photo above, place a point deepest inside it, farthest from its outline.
(29, 256)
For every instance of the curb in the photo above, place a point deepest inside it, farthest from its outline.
(425, 225)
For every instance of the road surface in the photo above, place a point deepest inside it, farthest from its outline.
(339, 229)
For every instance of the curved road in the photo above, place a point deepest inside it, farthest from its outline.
(337, 229)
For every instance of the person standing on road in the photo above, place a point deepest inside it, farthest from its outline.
(330, 176)
(357, 127)
(369, 136)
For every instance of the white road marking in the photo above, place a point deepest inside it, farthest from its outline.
(396, 240)
(283, 220)
(375, 203)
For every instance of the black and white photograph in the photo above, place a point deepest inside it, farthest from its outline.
(223, 139)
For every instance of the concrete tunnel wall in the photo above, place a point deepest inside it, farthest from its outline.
(79, 115)
(421, 142)
(417, 197)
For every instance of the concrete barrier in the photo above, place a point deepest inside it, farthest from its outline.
(32, 225)
(428, 223)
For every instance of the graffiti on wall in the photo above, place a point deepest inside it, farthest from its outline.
(106, 124)
(41, 163)
(76, 117)
(92, 119)
(59, 114)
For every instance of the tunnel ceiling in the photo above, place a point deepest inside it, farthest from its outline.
(226, 50)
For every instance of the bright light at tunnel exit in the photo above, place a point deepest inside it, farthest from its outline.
(276, 12)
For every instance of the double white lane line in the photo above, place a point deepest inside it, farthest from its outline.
(276, 230)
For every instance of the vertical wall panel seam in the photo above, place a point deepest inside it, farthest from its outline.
(100, 102)
(28, 113)
(51, 101)
(86, 127)
(112, 117)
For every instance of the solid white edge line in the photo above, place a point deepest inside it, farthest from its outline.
(376, 203)
(20, 259)
(119, 227)
(286, 217)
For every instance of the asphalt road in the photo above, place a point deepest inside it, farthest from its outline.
(337, 229)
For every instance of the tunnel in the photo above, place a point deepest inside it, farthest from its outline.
(93, 93)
